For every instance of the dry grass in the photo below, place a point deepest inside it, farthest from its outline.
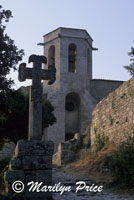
(92, 165)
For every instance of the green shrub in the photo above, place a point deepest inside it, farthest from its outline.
(113, 101)
(100, 140)
(3, 167)
(86, 139)
(121, 164)
(3, 163)
(111, 120)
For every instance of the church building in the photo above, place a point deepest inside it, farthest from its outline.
(74, 93)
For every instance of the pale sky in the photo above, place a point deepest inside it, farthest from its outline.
(109, 22)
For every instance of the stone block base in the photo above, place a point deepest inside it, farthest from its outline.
(30, 170)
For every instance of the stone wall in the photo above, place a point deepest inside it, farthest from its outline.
(100, 88)
(67, 151)
(114, 115)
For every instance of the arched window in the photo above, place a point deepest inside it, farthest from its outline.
(51, 56)
(72, 58)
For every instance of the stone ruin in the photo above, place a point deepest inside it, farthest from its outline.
(67, 151)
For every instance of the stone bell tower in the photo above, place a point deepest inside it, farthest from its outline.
(70, 50)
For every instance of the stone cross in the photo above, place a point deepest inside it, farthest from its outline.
(37, 74)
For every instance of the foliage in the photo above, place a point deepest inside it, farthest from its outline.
(13, 105)
(130, 67)
(113, 101)
(9, 53)
(111, 120)
(86, 140)
(48, 117)
(9, 58)
(14, 116)
(3, 167)
(3, 163)
(121, 164)
(100, 140)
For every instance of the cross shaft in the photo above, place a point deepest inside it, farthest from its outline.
(35, 97)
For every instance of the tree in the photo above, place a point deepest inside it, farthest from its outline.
(130, 67)
(9, 53)
(9, 58)
(14, 117)
(14, 105)
(14, 124)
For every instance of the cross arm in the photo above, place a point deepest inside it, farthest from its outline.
(49, 75)
(24, 73)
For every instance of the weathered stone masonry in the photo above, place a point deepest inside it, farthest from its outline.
(74, 93)
(114, 115)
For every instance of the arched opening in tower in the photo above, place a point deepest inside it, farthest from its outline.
(51, 56)
(72, 58)
(72, 115)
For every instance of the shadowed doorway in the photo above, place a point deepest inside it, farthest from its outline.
(72, 115)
